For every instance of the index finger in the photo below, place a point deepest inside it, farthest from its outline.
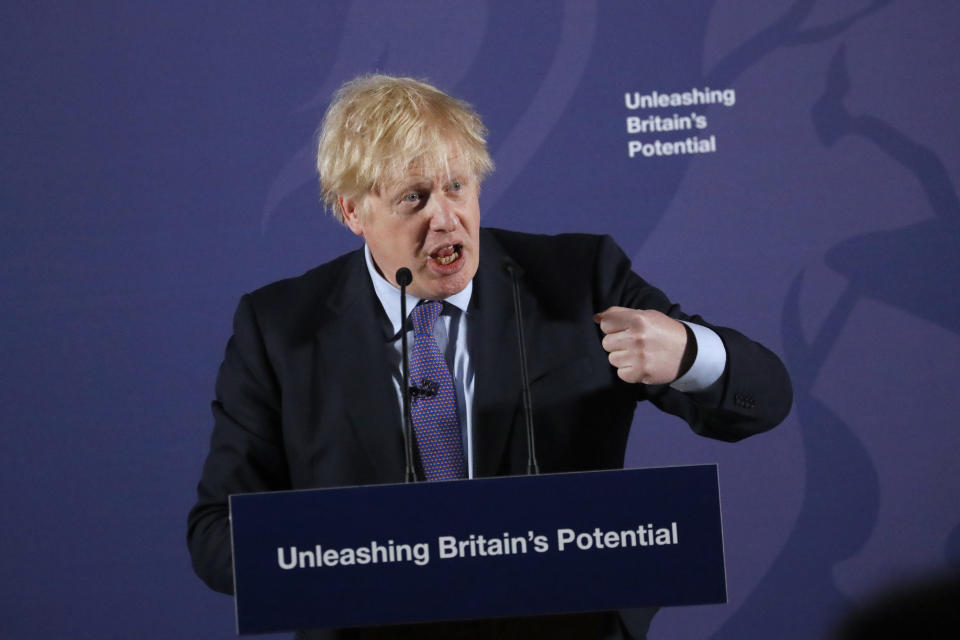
(613, 319)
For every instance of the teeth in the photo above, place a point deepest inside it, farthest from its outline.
(449, 258)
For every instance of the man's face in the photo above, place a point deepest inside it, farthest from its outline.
(429, 224)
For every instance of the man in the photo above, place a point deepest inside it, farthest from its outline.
(309, 391)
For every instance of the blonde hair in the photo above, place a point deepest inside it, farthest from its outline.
(378, 126)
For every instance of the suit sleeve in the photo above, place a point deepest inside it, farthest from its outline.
(246, 448)
(754, 393)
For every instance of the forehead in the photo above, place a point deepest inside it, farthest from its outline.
(433, 170)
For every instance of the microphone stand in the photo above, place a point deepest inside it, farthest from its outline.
(404, 278)
(513, 269)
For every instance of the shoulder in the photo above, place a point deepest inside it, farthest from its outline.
(553, 242)
(560, 252)
(311, 284)
(560, 269)
(565, 258)
(300, 304)
(580, 266)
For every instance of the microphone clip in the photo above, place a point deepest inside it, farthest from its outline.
(426, 389)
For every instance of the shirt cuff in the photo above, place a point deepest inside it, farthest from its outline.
(709, 364)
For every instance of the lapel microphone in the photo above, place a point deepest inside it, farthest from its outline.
(515, 272)
(404, 278)
(426, 389)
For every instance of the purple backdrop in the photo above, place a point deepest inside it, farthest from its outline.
(156, 164)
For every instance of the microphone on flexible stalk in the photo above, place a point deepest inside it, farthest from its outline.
(404, 278)
(515, 272)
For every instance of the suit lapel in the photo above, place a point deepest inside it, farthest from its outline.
(496, 360)
(356, 335)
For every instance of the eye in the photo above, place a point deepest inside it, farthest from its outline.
(413, 200)
(455, 185)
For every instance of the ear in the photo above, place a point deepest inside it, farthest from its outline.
(350, 207)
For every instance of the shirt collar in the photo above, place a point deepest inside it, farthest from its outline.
(389, 295)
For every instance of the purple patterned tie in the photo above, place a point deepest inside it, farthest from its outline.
(433, 407)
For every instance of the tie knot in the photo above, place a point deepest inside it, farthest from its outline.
(425, 316)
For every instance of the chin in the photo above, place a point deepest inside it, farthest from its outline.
(447, 287)
(438, 287)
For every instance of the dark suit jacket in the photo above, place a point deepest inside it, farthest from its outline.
(305, 396)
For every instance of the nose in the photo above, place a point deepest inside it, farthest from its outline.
(443, 215)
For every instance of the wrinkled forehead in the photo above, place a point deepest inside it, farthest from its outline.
(439, 164)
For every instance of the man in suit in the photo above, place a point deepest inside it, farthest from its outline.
(309, 391)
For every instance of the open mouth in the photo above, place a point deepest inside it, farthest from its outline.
(447, 255)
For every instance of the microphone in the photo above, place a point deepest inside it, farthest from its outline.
(404, 278)
(515, 272)
(426, 389)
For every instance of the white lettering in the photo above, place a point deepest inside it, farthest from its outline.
(448, 547)
(285, 564)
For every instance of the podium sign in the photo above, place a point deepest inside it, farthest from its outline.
(467, 549)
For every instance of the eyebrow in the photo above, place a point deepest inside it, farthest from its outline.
(401, 188)
(407, 183)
